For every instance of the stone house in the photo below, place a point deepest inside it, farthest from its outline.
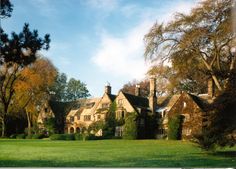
(78, 119)
(192, 108)
(44, 113)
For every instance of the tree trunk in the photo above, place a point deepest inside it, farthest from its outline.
(29, 123)
(3, 126)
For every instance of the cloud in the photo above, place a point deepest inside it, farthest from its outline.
(123, 56)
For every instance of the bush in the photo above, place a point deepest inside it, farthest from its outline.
(37, 136)
(116, 137)
(28, 137)
(69, 136)
(78, 136)
(130, 127)
(20, 136)
(57, 137)
(93, 137)
(175, 127)
(13, 136)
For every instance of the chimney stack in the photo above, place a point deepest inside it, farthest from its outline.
(108, 88)
(152, 95)
(210, 89)
(137, 90)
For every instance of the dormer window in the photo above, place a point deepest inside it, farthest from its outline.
(105, 105)
(185, 104)
(120, 102)
(71, 119)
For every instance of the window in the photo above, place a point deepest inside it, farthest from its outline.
(122, 114)
(186, 131)
(71, 119)
(87, 117)
(99, 117)
(119, 131)
(105, 105)
(46, 110)
(120, 102)
(185, 104)
(78, 117)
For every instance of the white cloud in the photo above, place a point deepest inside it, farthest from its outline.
(123, 56)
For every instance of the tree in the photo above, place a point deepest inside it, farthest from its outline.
(75, 90)
(171, 80)
(68, 91)
(31, 89)
(59, 87)
(16, 53)
(175, 127)
(130, 87)
(6, 9)
(202, 39)
(221, 127)
(130, 127)
(110, 122)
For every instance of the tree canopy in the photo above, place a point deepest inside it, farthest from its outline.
(199, 41)
(17, 52)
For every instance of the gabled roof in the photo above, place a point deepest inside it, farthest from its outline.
(202, 102)
(137, 101)
(112, 97)
(168, 102)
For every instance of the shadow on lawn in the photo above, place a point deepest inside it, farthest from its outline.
(225, 153)
(160, 161)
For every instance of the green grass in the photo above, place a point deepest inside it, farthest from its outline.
(110, 153)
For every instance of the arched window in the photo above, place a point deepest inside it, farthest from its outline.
(72, 130)
(77, 130)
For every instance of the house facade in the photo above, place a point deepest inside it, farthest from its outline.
(191, 107)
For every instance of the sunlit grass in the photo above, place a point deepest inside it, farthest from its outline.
(110, 153)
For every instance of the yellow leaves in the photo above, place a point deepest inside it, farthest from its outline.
(33, 83)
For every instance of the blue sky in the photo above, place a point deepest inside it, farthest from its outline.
(96, 41)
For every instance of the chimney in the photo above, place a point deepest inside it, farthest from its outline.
(152, 95)
(210, 89)
(137, 90)
(108, 88)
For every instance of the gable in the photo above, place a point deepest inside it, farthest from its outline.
(104, 102)
(122, 101)
(186, 104)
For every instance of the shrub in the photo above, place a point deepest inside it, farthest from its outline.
(175, 127)
(93, 137)
(69, 136)
(57, 137)
(28, 137)
(20, 136)
(130, 127)
(13, 136)
(78, 136)
(37, 136)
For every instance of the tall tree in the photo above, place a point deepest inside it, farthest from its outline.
(130, 87)
(202, 39)
(76, 89)
(31, 89)
(6, 8)
(59, 88)
(16, 53)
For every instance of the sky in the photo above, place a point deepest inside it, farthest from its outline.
(96, 41)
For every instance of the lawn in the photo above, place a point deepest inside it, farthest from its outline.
(110, 153)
